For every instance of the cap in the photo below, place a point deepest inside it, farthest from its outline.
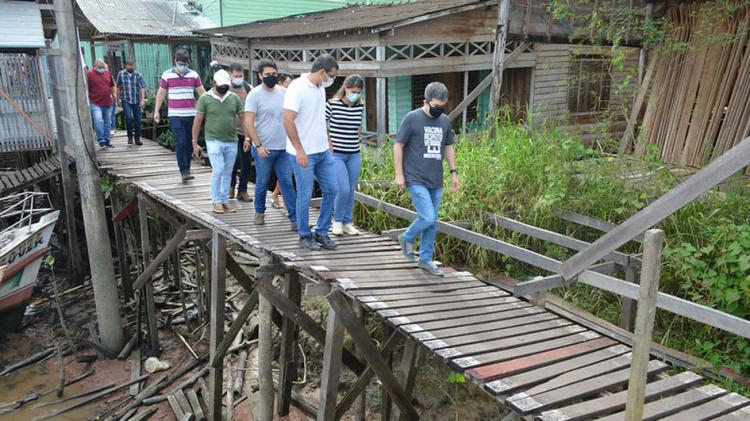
(221, 77)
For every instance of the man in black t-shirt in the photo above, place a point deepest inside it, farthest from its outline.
(423, 140)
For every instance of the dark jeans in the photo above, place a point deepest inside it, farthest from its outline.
(132, 119)
(242, 165)
(182, 129)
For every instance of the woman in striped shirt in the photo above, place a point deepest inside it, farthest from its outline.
(344, 118)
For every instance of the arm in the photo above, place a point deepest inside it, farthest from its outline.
(160, 94)
(252, 133)
(291, 131)
(450, 156)
(201, 90)
(196, 134)
(117, 94)
(398, 164)
(143, 97)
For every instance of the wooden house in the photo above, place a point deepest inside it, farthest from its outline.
(401, 47)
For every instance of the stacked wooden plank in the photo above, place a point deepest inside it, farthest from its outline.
(10, 181)
(699, 100)
(538, 363)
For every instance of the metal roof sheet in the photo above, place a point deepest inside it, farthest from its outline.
(20, 25)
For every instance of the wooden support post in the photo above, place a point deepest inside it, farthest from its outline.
(361, 337)
(644, 323)
(148, 291)
(407, 371)
(464, 113)
(503, 13)
(164, 254)
(122, 257)
(360, 406)
(289, 334)
(234, 329)
(627, 314)
(218, 285)
(381, 96)
(386, 405)
(265, 351)
(329, 382)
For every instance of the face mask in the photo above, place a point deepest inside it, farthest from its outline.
(270, 80)
(353, 97)
(100, 70)
(436, 112)
(182, 68)
(327, 84)
(222, 89)
(237, 82)
(130, 70)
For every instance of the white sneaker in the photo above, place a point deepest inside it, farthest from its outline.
(350, 230)
(338, 228)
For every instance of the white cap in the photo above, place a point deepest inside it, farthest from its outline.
(221, 77)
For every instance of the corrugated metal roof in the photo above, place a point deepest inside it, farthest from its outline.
(351, 17)
(143, 17)
(20, 25)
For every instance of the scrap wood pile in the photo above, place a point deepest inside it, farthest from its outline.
(699, 97)
(66, 318)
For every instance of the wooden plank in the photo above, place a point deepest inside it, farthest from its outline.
(450, 353)
(742, 414)
(711, 409)
(451, 332)
(218, 287)
(414, 328)
(507, 332)
(234, 330)
(524, 373)
(448, 285)
(454, 314)
(687, 191)
(593, 408)
(413, 311)
(289, 334)
(525, 403)
(148, 292)
(673, 404)
(160, 258)
(195, 404)
(397, 301)
(366, 346)
(513, 353)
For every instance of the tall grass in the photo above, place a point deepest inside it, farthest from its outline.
(531, 174)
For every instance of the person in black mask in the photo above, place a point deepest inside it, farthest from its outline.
(131, 96)
(243, 166)
(424, 139)
(266, 139)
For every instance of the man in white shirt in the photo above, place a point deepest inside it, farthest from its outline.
(309, 149)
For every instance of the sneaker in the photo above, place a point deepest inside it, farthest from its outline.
(138, 141)
(218, 207)
(308, 243)
(338, 228)
(231, 193)
(350, 230)
(130, 141)
(110, 146)
(293, 226)
(431, 267)
(244, 197)
(103, 147)
(325, 242)
(186, 177)
(260, 218)
(406, 248)
(229, 208)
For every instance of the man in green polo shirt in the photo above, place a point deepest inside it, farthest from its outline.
(220, 109)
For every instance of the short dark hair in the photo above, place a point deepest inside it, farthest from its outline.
(326, 62)
(130, 62)
(266, 62)
(283, 77)
(235, 67)
(182, 55)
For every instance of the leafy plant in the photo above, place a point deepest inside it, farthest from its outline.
(456, 379)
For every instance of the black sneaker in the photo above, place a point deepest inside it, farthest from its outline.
(325, 242)
(308, 243)
(138, 141)
(130, 141)
(186, 177)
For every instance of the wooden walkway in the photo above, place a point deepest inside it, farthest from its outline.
(540, 365)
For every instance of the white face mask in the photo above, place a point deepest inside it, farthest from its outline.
(328, 83)
(237, 81)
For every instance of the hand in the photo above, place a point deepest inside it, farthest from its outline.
(263, 152)
(455, 184)
(156, 117)
(301, 158)
(119, 103)
(197, 150)
(400, 181)
(245, 145)
(142, 103)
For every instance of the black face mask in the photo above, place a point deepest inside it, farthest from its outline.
(222, 89)
(130, 70)
(436, 112)
(270, 80)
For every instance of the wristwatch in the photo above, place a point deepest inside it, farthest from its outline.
(454, 171)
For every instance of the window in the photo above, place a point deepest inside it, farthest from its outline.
(589, 84)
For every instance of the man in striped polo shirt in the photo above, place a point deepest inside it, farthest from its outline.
(180, 83)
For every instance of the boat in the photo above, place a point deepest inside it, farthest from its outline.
(27, 226)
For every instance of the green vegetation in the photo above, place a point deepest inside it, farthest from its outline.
(530, 174)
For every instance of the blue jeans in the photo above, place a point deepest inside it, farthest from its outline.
(132, 119)
(278, 162)
(242, 166)
(427, 203)
(319, 165)
(182, 129)
(113, 120)
(100, 116)
(347, 166)
(222, 155)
